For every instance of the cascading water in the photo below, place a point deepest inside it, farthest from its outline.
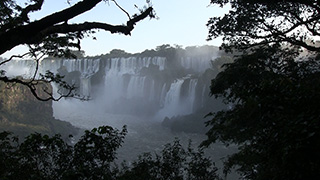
(87, 67)
(85, 87)
(189, 102)
(123, 82)
(149, 82)
(163, 95)
(23, 68)
(136, 87)
(197, 64)
(176, 104)
(124, 85)
(172, 101)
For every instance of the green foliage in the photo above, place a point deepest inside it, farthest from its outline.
(94, 152)
(9, 15)
(118, 53)
(251, 23)
(274, 116)
(174, 163)
(44, 157)
(218, 63)
(272, 89)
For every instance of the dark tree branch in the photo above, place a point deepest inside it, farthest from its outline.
(51, 35)
(65, 15)
(32, 87)
(33, 7)
(14, 56)
(302, 44)
(36, 59)
(250, 23)
(66, 28)
(26, 34)
(121, 9)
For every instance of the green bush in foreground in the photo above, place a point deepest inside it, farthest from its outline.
(92, 157)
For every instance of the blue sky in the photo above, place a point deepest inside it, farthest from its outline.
(181, 22)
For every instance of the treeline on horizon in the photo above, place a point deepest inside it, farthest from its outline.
(165, 50)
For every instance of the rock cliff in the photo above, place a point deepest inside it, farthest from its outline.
(22, 113)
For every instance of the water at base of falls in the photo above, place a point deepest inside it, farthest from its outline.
(144, 135)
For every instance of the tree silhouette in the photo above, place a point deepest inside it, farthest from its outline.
(93, 157)
(52, 35)
(272, 88)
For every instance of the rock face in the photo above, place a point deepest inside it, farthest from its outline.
(22, 113)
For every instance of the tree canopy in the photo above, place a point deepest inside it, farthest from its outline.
(272, 88)
(43, 157)
(251, 23)
(93, 157)
(53, 35)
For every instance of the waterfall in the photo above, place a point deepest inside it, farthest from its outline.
(197, 64)
(85, 88)
(203, 95)
(87, 67)
(50, 65)
(113, 85)
(167, 87)
(136, 87)
(171, 105)
(191, 95)
(23, 68)
(123, 83)
(163, 95)
(152, 94)
(174, 104)
(131, 65)
(173, 95)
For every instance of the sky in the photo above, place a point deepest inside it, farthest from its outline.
(180, 22)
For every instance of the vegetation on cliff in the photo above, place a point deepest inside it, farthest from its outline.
(22, 113)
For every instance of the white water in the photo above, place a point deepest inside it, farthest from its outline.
(87, 67)
(136, 87)
(172, 101)
(198, 64)
(189, 102)
(123, 81)
(144, 135)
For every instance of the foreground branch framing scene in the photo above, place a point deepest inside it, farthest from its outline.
(52, 35)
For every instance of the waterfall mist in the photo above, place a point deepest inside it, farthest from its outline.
(146, 91)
